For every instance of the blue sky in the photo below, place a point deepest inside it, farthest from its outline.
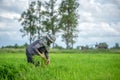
(99, 21)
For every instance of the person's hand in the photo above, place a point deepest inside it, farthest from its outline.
(48, 61)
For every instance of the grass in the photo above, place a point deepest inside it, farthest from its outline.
(101, 66)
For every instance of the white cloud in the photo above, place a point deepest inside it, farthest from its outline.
(108, 12)
(99, 21)
(116, 26)
(13, 6)
(13, 26)
(10, 15)
(88, 29)
(86, 17)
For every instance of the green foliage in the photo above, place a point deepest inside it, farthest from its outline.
(47, 17)
(68, 21)
(27, 20)
(84, 66)
(38, 61)
(12, 50)
(16, 46)
(51, 17)
(9, 72)
(36, 21)
(102, 45)
(116, 46)
(39, 14)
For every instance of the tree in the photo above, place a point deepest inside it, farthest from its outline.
(102, 45)
(51, 17)
(69, 21)
(39, 15)
(16, 45)
(116, 46)
(51, 20)
(28, 22)
(39, 19)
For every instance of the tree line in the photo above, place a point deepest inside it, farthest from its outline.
(102, 45)
(51, 17)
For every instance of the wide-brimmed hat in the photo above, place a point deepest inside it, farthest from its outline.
(51, 38)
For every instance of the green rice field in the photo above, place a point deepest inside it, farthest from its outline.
(66, 65)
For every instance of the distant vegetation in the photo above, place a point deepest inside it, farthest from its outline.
(62, 51)
(102, 45)
(15, 46)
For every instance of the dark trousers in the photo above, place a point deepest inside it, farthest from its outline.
(29, 57)
(30, 60)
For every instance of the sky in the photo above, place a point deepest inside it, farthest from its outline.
(99, 21)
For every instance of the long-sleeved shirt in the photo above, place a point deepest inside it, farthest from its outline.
(38, 46)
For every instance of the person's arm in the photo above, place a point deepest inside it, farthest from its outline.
(47, 56)
(36, 49)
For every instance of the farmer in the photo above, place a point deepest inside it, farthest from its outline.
(39, 47)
